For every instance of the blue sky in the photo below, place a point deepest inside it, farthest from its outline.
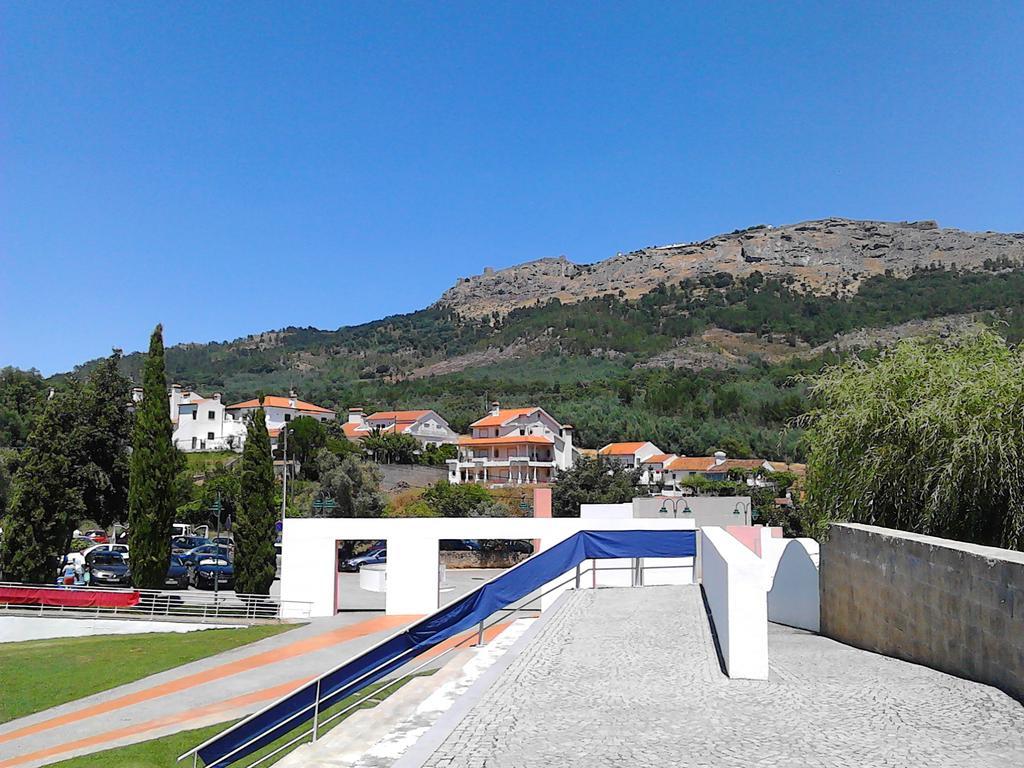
(227, 168)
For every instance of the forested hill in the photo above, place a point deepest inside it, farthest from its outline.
(701, 363)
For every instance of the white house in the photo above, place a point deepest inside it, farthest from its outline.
(278, 411)
(427, 426)
(629, 455)
(201, 423)
(512, 446)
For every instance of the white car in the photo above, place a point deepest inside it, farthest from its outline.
(78, 558)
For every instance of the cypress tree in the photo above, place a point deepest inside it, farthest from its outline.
(107, 440)
(255, 556)
(46, 495)
(154, 467)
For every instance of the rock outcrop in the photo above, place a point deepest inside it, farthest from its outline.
(831, 255)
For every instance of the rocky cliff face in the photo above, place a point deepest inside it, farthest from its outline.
(822, 256)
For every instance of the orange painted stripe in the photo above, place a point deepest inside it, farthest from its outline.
(182, 718)
(231, 668)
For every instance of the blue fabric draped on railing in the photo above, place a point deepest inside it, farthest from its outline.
(295, 709)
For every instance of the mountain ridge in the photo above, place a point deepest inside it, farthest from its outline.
(823, 256)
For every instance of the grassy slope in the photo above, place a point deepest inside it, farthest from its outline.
(38, 674)
(159, 753)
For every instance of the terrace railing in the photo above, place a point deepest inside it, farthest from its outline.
(125, 603)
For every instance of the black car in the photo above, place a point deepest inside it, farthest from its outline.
(108, 569)
(193, 556)
(177, 574)
(181, 544)
(203, 572)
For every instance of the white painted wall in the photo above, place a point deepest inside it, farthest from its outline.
(308, 567)
(733, 579)
(793, 599)
(14, 629)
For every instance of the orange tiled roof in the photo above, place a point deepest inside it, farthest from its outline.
(658, 458)
(399, 416)
(503, 415)
(507, 440)
(352, 429)
(692, 463)
(728, 464)
(273, 401)
(620, 449)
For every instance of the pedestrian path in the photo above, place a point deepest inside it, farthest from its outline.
(208, 691)
(629, 677)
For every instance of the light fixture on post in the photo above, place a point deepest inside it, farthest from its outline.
(665, 501)
(744, 508)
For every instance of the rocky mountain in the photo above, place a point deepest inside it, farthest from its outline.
(827, 257)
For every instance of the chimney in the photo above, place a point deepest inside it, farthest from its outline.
(292, 397)
(495, 408)
(355, 416)
(719, 457)
(175, 387)
(216, 397)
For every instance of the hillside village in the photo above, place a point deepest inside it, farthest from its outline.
(507, 446)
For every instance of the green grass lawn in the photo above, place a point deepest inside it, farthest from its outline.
(161, 753)
(200, 462)
(38, 674)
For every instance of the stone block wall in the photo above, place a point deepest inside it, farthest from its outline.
(952, 606)
(481, 559)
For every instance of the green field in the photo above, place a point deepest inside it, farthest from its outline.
(39, 674)
(160, 753)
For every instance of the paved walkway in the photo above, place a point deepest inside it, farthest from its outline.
(212, 690)
(628, 677)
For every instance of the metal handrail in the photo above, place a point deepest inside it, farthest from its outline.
(167, 603)
(637, 567)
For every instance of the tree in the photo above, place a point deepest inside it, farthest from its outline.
(254, 533)
(391, 447)
(154, 467)
(306, 436)
(46, 495)
(592, 481)
(928, 438)
(108, 435)
(463, 500)
(353, 483)
(21, 396)
(217, 483)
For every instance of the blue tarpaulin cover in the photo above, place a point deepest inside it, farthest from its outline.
(514, 584)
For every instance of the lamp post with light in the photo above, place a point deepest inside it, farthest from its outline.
(742, 507)
(665, 501)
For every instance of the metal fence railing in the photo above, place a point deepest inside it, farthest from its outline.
(220, 607)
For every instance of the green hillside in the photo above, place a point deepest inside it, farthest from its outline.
(584, 361)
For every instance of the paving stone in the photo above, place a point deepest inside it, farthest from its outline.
(629, 677)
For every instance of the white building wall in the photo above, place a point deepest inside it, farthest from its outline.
(15, 629)
(309, 551)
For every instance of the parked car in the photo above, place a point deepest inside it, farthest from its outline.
(182, 544)
(206, 550)
(97, 535)
(203, 572)
(459, 545)
(373, 557)
(177, 574)
(79, 557)
(225, 541)
(108, 569)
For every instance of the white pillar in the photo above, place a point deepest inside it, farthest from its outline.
(412, 575)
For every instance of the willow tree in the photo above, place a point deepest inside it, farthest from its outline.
(254, 532)
(928, 438)
(153, 471)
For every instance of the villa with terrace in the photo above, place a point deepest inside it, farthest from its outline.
(427, 426)
(514, 446)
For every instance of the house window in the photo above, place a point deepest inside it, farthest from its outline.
(287, 417)
(522, 431)
(193, 443)
(211, 415)
(194, 413)
(209, 435)
(495, 453)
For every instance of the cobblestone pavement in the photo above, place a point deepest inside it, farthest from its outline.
(628, 677)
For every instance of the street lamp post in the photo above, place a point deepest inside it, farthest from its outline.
(216, 508)
(665, 501)
(744, 508)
